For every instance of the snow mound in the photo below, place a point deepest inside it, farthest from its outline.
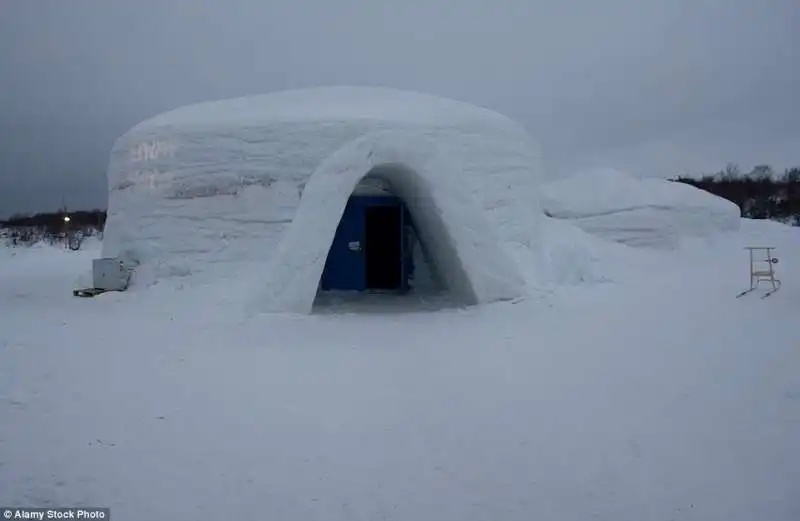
(638, 212)
(250, 190)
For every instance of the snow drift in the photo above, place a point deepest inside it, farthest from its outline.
(253, 188)
(638, 212)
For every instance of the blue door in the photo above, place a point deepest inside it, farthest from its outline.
(345, 267)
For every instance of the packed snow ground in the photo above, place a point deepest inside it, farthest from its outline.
(654, 395)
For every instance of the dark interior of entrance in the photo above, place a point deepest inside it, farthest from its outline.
(370, 251)
(383, 247)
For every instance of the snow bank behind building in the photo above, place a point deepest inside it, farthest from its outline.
(638, 212)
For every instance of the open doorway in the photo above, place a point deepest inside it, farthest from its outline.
(370, 249)
(384, 248)
(376, 262)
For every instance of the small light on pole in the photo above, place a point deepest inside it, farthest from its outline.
(66, 231)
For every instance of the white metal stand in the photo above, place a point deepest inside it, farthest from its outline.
(762, 269)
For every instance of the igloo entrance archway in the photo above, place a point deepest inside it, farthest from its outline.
(379, 248)
(452, 227)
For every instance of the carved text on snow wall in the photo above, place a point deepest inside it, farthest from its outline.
(150, 151)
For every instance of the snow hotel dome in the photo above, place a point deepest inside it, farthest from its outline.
(335, 188)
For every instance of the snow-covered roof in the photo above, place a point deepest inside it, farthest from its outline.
(327, 103)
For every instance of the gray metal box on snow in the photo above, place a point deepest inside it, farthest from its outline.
(110, 274)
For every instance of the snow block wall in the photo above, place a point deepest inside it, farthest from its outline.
(255, 187)
(638, 212)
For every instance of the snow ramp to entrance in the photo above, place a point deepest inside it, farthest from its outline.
(452, 227)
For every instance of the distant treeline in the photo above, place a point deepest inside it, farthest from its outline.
(761, 193)
(63, 226)
(55, 220)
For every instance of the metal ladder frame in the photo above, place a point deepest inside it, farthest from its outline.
(758, 273)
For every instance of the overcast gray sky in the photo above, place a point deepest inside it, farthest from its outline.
(655, 87)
